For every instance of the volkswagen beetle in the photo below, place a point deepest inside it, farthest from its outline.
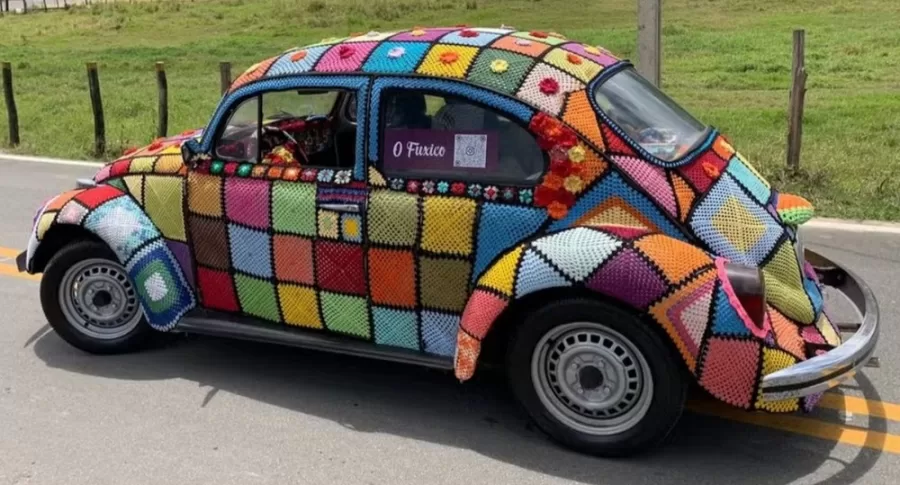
(432, 195)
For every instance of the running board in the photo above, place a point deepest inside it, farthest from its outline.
(249, 329)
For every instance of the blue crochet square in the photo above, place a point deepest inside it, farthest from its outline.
(439, 332)
(396, 57)
(500, 227)
(398, 328)
(251, 251)
(457, 37)
(165, 295)
(285, 65)
(748, 179)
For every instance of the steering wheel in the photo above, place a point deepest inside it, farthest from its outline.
(288, 136)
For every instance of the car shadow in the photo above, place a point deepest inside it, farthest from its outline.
(423, 404)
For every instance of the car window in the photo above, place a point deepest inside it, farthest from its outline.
(286, 127)
(239, 138)
(435, 136)
(647, 116)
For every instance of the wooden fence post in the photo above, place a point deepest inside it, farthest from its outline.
(798, 92)
(649, 39)
(163, 85)
(97, 106)
(225, 76)
(11, 113)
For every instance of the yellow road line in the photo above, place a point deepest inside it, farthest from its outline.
(858, 405)
(11, 270)
(850, 435)
(9, 252)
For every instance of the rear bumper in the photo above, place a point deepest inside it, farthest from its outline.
(825, 371)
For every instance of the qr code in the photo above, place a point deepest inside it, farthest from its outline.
(470, 151)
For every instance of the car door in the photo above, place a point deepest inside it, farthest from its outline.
(450, 190)
(276, 218)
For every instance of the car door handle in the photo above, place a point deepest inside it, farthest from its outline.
(340, 207)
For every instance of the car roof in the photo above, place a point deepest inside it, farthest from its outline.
(539, 68)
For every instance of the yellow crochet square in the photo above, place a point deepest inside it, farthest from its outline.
(502, 274)
(204, 194)
(449, 223)
(135, 184)
(448, 60)
(141, 165)
(169, 164)
(775, 360)
(44, 223)
(300, 306)
(163, 197)
(578, 66)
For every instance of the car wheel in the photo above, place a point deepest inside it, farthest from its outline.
(90, 301)
(596, 378)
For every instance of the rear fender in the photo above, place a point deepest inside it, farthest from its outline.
(115, 218)
(678, 286)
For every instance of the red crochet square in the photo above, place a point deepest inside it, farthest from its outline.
(339, 267)
(216, 290)
(704, 171)
(98, 195)
(730, 370)
(119, 168)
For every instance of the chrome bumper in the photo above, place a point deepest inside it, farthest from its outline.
(825, 371)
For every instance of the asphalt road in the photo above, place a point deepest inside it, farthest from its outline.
(205, 410)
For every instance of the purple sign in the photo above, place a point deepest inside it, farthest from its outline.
(445, 151)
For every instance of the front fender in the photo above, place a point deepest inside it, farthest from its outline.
(116, 219)
(677, 285)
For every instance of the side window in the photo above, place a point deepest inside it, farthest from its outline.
(436, 136)
(285, 127)
(238, 140)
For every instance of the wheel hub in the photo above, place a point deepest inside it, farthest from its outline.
(98, 299)
(592, 377)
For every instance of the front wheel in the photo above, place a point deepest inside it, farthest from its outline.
(596, 378)
(90, 301)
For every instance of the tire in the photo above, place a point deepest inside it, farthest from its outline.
(102, 314)
(587, 337)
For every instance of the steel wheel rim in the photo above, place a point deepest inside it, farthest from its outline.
(591, 378)
(98, 299)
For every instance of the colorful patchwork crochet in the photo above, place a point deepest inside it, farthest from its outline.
(160, 267)
(428, 263)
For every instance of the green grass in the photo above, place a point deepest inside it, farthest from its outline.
(727, 61)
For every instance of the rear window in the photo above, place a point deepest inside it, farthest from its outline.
(648, 116)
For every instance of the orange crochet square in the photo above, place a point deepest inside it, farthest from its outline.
(392, 277)
(528, 47)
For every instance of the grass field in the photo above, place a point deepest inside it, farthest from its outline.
(727, 61)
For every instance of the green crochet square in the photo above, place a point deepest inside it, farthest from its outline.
(257, 297)
(507, 81)
(294, 207)
(393, 218)
(345, 314)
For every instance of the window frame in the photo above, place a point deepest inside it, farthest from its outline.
(698, 147)
(464, 177)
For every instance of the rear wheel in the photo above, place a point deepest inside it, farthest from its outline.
(90, 301)
(596, 378)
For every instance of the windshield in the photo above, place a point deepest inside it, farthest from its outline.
(648, 116)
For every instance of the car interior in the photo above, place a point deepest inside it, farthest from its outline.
(318, 129)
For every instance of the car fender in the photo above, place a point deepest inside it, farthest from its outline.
(115, 218)
(672, 283)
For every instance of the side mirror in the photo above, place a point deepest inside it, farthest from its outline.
(191, 153)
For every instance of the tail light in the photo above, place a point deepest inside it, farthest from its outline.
(750, 288)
